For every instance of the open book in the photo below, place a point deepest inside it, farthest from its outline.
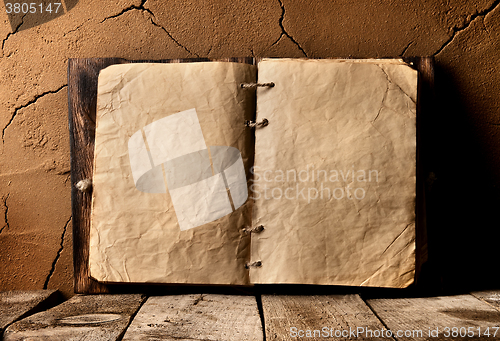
(204, 176)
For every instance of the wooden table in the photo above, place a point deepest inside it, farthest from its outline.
(220, 317)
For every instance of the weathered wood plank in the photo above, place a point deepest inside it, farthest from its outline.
(425, 110)
(491, 297)
(197, 317)
(321, 317)
(98, 317)
(461, 317)
(15, 305)
(82, 96)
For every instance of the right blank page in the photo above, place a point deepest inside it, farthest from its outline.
(334, 173)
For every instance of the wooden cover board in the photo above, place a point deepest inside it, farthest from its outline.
(82, 90)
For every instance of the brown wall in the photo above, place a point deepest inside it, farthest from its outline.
(461, 135)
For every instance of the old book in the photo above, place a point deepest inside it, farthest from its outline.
(203, 176)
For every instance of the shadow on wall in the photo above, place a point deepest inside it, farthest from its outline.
(25, 15)
(463, 235)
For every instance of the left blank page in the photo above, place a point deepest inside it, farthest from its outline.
(170, 199)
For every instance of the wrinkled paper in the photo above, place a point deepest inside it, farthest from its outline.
(172, 156)
(333, 181)
(334, 173)
(170, 200)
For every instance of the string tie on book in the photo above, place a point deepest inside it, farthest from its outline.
(255, 85)
(254, 124)
(84, 185)
(256, 229)
(256, 264)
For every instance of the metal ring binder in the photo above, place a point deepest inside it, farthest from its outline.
(256, 264)
(254, 124)
(255, 85)
(256, 229)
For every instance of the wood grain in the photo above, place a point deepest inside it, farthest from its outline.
(421, 316)
(82, 95)
(15, 305)
(82, 98)
(425, 107)
(197, 317)
(492, 297)
(324, 317)
(97, 317)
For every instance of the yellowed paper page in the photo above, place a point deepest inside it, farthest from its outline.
(334, 173)
(170, 199)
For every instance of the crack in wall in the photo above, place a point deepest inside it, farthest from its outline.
(125, 10)
(151, 14)
(406, 48)
(76, 28)
(16, 110)
(284, 32)
(170, 36)
(466, 25)
(14, 32)
(6, 219)
(58, 255)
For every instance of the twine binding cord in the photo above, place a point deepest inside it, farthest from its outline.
(256, 85)
(256, 229)
(84, 185)
(254, 124)
(256, 264)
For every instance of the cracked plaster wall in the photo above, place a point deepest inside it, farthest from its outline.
(464, 36)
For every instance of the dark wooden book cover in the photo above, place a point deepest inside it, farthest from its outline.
(82, 96)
